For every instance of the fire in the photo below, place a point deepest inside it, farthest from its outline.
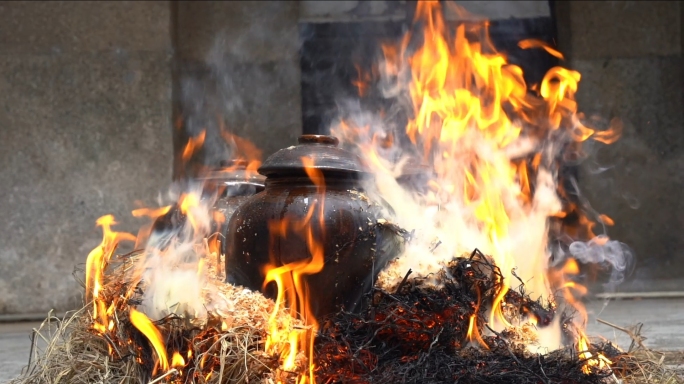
(188, 203)
(292, 289)
(473, 331)
(536, 43)
(491, 143)
(174, 275)
(193, 144)
(152, 213)
(97, 262)
(241, 149)
(177, 361)
(145, 231)
(147, 328)
(601, 362)
(244, 149)
(361, 83)
(572, 292)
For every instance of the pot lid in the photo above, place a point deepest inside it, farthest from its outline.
(326, 156)
(234, 172)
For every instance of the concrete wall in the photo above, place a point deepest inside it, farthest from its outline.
(630, 56)
(314, 11)
(85, 106)
(87, 91)
(237, 64)
(87, 88)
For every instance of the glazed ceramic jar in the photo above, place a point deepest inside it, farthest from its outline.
(355, 244)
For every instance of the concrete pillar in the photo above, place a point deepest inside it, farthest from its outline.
(237, 66)
(85, 130)
(630, 56)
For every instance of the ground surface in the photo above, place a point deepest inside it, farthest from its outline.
(15, 345)
(663, 321)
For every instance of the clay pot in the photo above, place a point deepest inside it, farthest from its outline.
(415, 177)
(230, 185)
(356, 246)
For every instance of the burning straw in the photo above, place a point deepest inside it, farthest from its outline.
(425, 331)
(640, 364)
(227, 347)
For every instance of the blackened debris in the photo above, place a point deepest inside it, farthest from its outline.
(419, 334)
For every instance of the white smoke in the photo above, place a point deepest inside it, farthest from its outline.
(170, 271)
(443, 222)
(613, 255)
(443, 226)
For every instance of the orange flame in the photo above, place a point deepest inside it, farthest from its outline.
(469, 106)
(536, 43)
(473, 331)
(193, 144)
(601, 362)
(292, 289)
(145, 230)
(605, 219)
(572, 292)
(177, 361)
(362, 82)
(239, 148)
(243, 149)
(189, 202)
(152, 213)
(147, 328)
(97, 261)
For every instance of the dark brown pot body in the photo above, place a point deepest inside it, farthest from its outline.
(355, 246)
(229, 200)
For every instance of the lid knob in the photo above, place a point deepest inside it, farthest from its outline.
(319, 139)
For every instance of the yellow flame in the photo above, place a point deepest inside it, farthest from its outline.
(188, 203)
(152, 213)
(97, 262)
(600, 361)
(177, 361)
(147, 328)
(291, 288)
(467, 100)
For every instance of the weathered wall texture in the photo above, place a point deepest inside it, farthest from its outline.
(85, 130)
(238, 64)
(315, 11)
(630, 56)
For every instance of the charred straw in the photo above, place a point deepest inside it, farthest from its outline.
(418, 334)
